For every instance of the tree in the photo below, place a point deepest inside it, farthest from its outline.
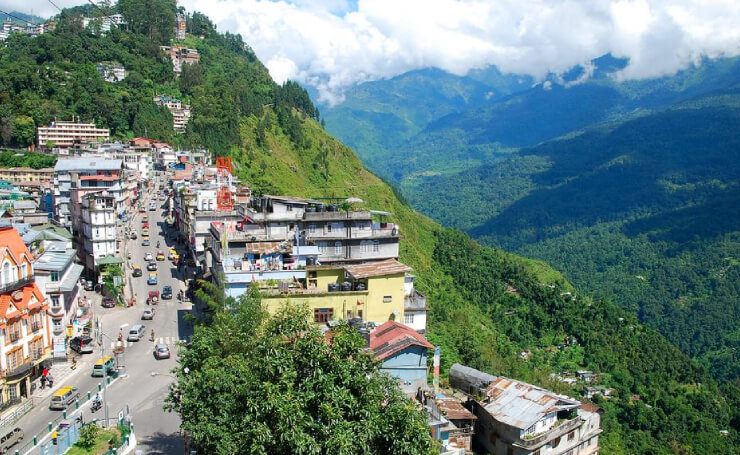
(115, 285)
(24, 130)
(274, 384)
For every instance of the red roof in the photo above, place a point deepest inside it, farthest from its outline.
(393, 337)
(21, 300)
(12, 241)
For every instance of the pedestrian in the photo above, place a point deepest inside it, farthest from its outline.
(43, 381)
(50, 379)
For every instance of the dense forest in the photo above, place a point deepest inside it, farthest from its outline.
(487, 306)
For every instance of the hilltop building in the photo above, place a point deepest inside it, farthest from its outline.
(111, 71)
(67, 134)
(25, 340)
(180, 25)
(180, 111)
(180, 56)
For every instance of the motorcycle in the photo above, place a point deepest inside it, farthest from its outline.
(96, 406)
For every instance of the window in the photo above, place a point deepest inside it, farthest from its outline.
(408, 318)
(288, 208)
(24, 270)
(54, 276)
(365, 246)
(387, 298)
(376, 246)
(361, 226)
(322, 315)
(7, 278)
(323, 247)
(359, 314)
(54, 300)
(15, 359)
(571, 435)
(311, 228)
(337, 247)
(328, 227)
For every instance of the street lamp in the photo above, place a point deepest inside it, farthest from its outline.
(105, 370)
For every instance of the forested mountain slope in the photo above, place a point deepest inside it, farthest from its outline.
(486, 305)
(645, 213)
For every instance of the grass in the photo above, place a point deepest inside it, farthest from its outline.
(101, 443)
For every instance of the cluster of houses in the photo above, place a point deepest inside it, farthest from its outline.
(9, 27)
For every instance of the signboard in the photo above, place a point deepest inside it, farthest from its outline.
(60, 347)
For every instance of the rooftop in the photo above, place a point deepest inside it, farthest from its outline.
(520, 405)
(393, 337)
(83, 164)
(378, 268)
(453, 409)
(54, 261)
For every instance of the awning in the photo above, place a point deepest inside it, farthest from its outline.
(69, 283)
(109, 260)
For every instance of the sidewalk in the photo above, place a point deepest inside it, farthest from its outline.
(60, 372)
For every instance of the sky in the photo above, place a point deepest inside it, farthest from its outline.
(334, 44)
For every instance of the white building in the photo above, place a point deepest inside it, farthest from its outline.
(97, 239)
(414, 306)
(180, 111)
(111, 71)
(180, 26)
(83, 174)
(68, 134)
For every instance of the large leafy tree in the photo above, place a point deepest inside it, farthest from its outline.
(254, 383)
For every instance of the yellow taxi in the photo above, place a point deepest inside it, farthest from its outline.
(145, 232)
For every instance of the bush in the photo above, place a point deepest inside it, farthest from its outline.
(88, 436)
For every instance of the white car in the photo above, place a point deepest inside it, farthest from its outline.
(149, 257)
(147, 315)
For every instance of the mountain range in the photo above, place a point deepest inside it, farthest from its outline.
(628, 187)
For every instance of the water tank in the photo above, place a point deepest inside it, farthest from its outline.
(321, 208)
(333, 287)
(346, 286)
(333, 208)
(360, 287)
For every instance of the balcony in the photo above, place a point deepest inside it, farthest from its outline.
(551, 434)
(17, 371)
(58, 329)
(56, 312)
(14, 336)
(16, 284)
(36, 326)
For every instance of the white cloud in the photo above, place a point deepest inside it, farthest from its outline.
(332, 44)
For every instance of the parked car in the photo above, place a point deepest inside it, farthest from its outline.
(145, 241)
(137, 271)
(147, 315)
(160, 256)
(161, 351)
(89, 285)
(82, 344)
(152, 266)
(166, 292)
(148, 256)
(152, 280)
(108, 302)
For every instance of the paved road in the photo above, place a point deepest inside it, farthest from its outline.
(144, 387)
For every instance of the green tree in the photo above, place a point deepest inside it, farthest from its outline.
(109, 279)
(273, 384)
(24, 130)
(153, 18)
(88, 436)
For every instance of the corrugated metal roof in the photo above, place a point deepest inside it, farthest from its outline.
(54, 261)
(393, 337)
(379, 268)
(453, 409)
(520, 405)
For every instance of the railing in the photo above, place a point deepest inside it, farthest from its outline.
(16, 284)
(551, 434)
(18, 370)
(14, 336)
(35, 326)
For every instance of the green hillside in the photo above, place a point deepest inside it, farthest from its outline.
(487, 306)
(643, 213)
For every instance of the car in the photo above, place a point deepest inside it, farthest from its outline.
(144, 218)
(145, 225)
(171, 254)
(148, 257)
(89, 285)
(152, 208)
(166, 292)
(152, 266)
(145, 242)
(162, 197)
(160, 256)
(161, 351)
(137, 271)
(82, 344)
(147, 315)
(145, 232)
(108, 302)
(152, 280)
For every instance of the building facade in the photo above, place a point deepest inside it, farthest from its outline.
(74, 177)
(179, 110)
(68, 134)
(111, 71)
(97, 238)
(25, 338)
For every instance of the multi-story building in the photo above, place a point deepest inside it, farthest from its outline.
(28, 177)
(414, 306)
(58, 276)
(97, 240)
(180, 111)
(180, 56)
(74, 177)
(180, 26)
(516, 418)
(103, 24)
(25, 340)
(111, 71)
(67, 134)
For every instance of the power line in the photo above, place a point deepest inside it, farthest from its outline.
(55, 5)
(17, 18)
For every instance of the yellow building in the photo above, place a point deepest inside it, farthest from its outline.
(373, 292)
